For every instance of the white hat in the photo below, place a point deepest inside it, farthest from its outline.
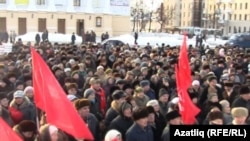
(152, 103)
(100, 67)
(67, 69)
(19, 94)
(175, 100)
(72, 61)
(112, 135)
(195, 83)
(71, 97)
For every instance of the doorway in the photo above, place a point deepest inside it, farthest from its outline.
(22, 26)
(61, 26)
(41, 25)
(3, 27)
(80, 27)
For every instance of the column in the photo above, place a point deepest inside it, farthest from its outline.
(70, 7)
(106, 8)
(32, 5)
(51, 5)
(11, 5)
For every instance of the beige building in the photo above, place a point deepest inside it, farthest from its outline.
(65, 16)
(231, 16)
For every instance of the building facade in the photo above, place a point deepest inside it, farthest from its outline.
(230, 16)
(186, 12)
(65, 16)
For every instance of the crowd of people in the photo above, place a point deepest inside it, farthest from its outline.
(126, 92)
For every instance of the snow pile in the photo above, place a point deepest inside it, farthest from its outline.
(53, 37)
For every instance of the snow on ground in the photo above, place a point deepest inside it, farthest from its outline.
(143, 38)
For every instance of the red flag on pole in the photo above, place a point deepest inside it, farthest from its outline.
(51, 98)
(187, 108)
(6, 133)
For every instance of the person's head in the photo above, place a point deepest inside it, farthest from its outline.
(145, 84)
(151, 114)
(215, 118)
(245, 92)
(113, 135)
(154, 104)
(126, 110)
(240, 115)
(225, 106)
(28, 91)
(196, 84)
(4, 101)
(95, 83)
(212, 81)
(139, 92)
(82, 106)
(228, 86)
(174, 118)
(163, 95)
(213, 97)
(100, 69)
(26, 128)
(140, 116)
(19, 97)
(89, 94)
(48, 133)
(119, 96)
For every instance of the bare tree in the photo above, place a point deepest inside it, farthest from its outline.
(165, 15)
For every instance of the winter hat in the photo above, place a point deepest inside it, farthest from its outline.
(27, 126)
(71, 97)
(112, 135)
(172, 115)
(125, 106)
(239, 112)
(88, 92)
(244, 90)
(144, 83)
(195, 83)
(140, 113)
(19, 94)
(120, 81)
(118, 94)
(211, 95)
(3, 96)
(27, 89)
(100, 67)
(67, 70)
(152, 103)
(215, 115)
(150, 110)
(79, 103)
(163, 92)
(228, 84)
(127, 86)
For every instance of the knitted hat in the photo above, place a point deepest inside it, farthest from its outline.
(144, 83)
(152, 103)
(18, 94)
(140, 113)
(162, 92)
(79, 103)
(88, 92)
(239, 112)
(124, 106)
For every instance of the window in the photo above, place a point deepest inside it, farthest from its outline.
(224, 6)
(98, 21)
(229, 29)
(245, 29)
(40, 2)
(77, 2)
(245, 17)
(235, 17)
(240, 17)
(2, 1)
(246, 5)
(240, 5)
(230, 17)
(239, 31)
(235, 6)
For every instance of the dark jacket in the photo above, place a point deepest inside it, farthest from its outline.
(93, 125)
(136, 133)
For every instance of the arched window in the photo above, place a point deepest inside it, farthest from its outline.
(98, 21)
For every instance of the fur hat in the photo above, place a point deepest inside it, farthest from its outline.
(27, 125)
(112, 135)
(140, 113)
(152, 103)
(127, 86)
(150, 110)
(144, 83)
(118, 94)
(244, 90)
(215, 115)
(172, 115)
(79, 103)
(239, 112)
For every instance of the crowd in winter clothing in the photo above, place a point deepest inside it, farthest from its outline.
(126, 92)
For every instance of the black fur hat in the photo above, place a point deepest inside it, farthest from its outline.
(244, 90)
(172, 115)
(140, 113)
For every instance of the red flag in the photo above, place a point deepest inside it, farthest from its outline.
(187, 108)
(6, 133)
(51, 98)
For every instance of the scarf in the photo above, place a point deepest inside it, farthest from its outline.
(103, 103)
